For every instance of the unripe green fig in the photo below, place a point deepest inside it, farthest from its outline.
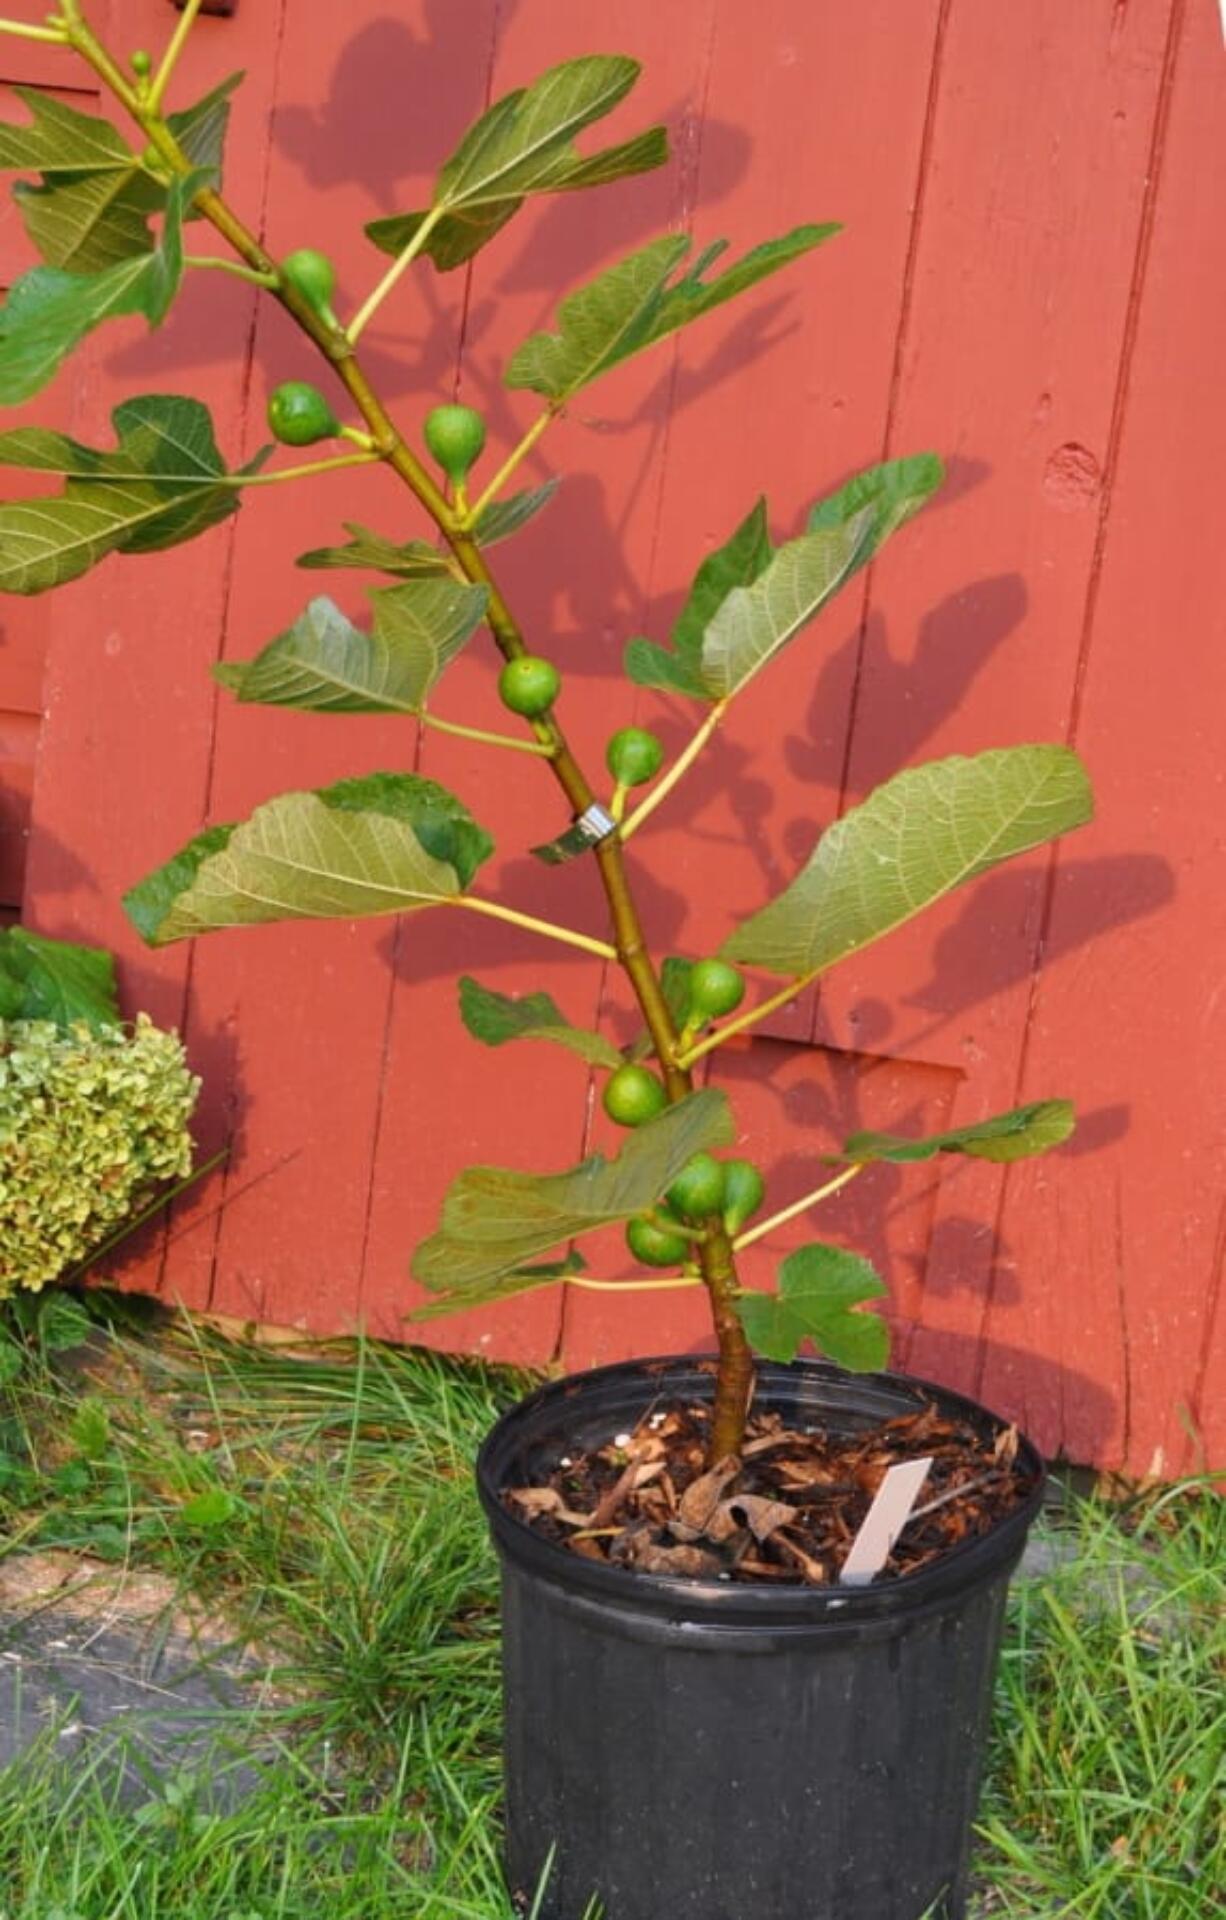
(653, 1247)
(715, 988)
(299, 415)
(633, 1095)
(142, 63)
(312, 274)
(633, 755)
(744, 1192)
(698, 1190)
(529, 685)
(455, 436)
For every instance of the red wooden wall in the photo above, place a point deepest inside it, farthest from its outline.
(1033, 281)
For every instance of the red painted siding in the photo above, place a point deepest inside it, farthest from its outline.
(1032, 279)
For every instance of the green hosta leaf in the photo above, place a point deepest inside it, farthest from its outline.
(495, 1218)
(48, 311)
(206, 1512)
(915, 839)
(524, 144)
(523, 1280)
(386, 843)
(738, 563)
(819, 1290)
(494, 1018)
(894, 490)
(502, 518)
(1006, 1136)
(632, 305)
(755, 623)
(87, 217)
(164, 482)
(414, 560)
(54, 980)
(324, 664)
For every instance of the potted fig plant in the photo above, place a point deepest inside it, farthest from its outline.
(706, 1714)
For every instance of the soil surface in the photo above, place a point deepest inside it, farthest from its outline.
(787, 1509)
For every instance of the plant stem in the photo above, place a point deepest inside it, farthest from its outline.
(664, 1223)
(23, 32)
(681, 765)
(785, 1214)
(743, 1020)
(240, 272)
(404, 259)
(302, 472)
(548, 928)
(512, 461)
(736, 1366)
(479, 733)
(161, 79)
(632, 1286)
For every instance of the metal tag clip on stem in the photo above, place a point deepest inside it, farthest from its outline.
(589, 829)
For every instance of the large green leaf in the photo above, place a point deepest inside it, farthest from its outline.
(412, 560)
(162, 483)
(495, 1018)
(386, 843)
(93, 211)
(1006, 1136)
(505, 1287)
(60, 142)
(913, 840)
(90, 222)
(894, 490)
(55, 980)
(324, 664)
(48, 311)
(524, 144)
(201, 129)
(738, 563)
(496, 1218)
(820, 1289)
(502, 518)
(632, 305)
(748, 601)
(755, 623)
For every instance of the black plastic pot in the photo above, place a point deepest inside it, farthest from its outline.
(698, 1750)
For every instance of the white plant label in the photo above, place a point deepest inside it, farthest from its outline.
(884, 1521)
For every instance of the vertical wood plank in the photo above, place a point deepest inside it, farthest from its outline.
(573, 580)
(1017, 314)
(1136, 1018)
(309, 1003)
(1000, 294)
(786, 395)
(123, 768)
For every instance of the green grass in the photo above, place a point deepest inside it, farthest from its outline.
(326, 1506)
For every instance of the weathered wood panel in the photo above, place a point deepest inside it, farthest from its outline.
(1031, 280)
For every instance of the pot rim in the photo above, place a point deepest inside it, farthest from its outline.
(729, 1603)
